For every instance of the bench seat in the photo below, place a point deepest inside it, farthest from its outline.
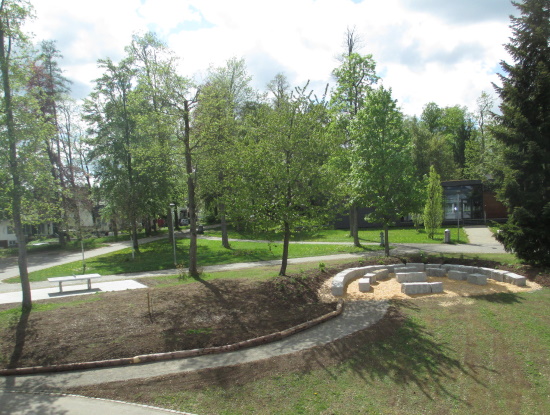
(88, 277)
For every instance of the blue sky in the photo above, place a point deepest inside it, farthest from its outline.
(445, 51)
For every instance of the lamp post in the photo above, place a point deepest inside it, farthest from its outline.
(457, 210)
(172, 205)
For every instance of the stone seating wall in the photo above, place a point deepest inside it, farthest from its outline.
(416, 273)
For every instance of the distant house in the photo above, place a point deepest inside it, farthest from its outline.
(7, 233)
(49, 229)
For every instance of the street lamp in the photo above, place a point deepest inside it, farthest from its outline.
(172, 205)
(457, 210)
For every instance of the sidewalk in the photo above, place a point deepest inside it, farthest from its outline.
(356, 316)
(481, 241)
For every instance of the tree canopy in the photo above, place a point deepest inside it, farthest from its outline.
(523, 127)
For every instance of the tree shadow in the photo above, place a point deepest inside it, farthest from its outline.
(501, 298)
(19, 394)
(20, 338)
(400, 349)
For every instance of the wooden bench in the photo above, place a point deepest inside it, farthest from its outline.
(88, 277)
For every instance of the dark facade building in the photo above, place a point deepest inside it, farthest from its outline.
(470, 202)
(464, 200)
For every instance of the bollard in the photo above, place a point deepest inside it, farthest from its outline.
(447, 236)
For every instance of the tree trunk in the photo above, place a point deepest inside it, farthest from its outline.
(148, 226)
(355, 229)
(135, 236)
(286, 242)
(169, 219)
(114, 226)
(351, 220)
(225, 238)
(193, 268)
(14, 172)
(386, 241)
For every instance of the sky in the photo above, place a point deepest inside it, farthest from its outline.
(442, 51)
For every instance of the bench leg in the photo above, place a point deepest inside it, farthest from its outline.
(89, 283)
(60, 287)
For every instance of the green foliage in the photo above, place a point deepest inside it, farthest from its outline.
(382, 169)
(524, 130)
(282, 179)
(433, 209)
(431, 148)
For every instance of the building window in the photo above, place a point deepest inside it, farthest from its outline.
(463, 201)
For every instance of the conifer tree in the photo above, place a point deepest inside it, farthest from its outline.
(433, 210)
(524, 129)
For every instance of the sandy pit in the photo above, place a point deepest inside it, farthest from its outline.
(391, 289)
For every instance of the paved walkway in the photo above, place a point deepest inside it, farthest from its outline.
(18, 393)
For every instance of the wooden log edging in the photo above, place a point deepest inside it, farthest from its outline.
(182, 354)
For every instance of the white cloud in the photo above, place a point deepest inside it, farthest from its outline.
(423, 52)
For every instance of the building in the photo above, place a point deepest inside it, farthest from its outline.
(470, 202)
(467, 201)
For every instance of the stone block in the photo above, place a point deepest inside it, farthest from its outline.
(371, 276)
(478, 279)
(415, 276)
(381, 274)
(498, 275)
(393, 268)
(485, 271)
(436, 287)
(515, 279)
(417, 266)
(435, 272)
(457, 275)
(411, 288)
(364, 284)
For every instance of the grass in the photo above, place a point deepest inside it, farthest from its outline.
(158, 255)
(396, 235)
(481, 355)
(48, 245)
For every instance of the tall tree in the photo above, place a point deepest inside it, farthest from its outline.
(50, 89)
(283, 181)
(109, 111)
(218, 120)
(158, 163)
(430, 149)
(381, 165)
(433, 208)
(354, 79)
(524, 129)
(484, 154)
(451, 128)
(22, 132)
(182, 101)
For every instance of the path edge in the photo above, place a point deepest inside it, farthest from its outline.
(182, 354)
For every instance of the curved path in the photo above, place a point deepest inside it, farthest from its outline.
(356, 316)
(19, 394)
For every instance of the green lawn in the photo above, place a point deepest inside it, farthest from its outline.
(485, 355)
(396, 235)
(158, 255)
(47, 245)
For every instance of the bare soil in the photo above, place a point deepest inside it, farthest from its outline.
(204, 314)
(160, 319)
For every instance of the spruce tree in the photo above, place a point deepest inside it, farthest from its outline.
(524, 129)
(433, 210)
